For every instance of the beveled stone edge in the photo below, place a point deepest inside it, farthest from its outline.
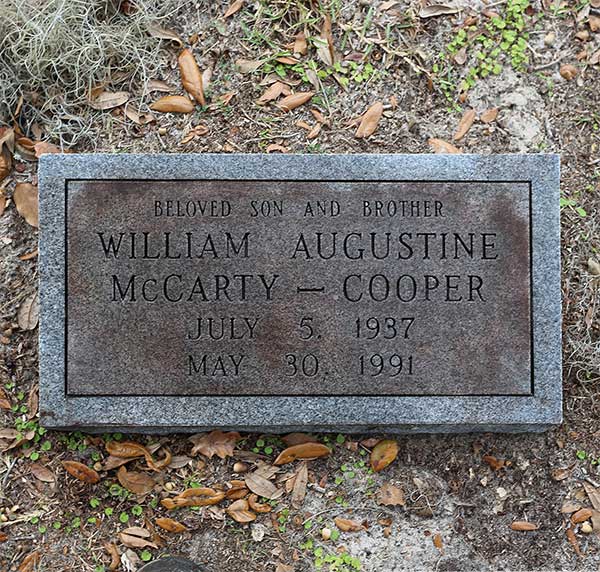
(362, 414)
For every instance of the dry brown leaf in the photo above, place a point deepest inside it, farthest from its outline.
(262, 487)
(165, 34)
(493, 462)
(81, 472)
(26, 201)
(25, 147)
(191, 77)
(215, 443)
(233, 8)
(593, 494)
(137, 117)
(173, 104)
(300, 482)
(273, 92)
(4, 400)
(303, 451)
(281, 567)
(28, 255)
(287, 60)
(299, 439)
(42, 473)
(523, 525)
(383, 454)
(325, 48)
(276, 148)
(43, 147)
(2, 197)
(295, 100)
(438, 542)
(256, 506)
(369, 121)
(28, 315)
(126, 449)
(594, 23)
(240, 511)
(300, 45)
(391, 495)
(201, 496)
(170, 525)
(489, 115)
(136, 537)
(248, 66)
(109, 100)
(159, 85)
(138, 483)
(347, 525)
(573, 541)
(438, 10)
(464, 124)
(441, 146)
(581, 515)
(568, 71)
(115, 557)
(30, 562)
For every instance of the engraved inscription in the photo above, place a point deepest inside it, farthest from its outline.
(298, 288)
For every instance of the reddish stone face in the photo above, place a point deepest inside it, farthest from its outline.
(298, 288)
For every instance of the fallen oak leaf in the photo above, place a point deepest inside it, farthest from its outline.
(248, 66)
(215, 443)
(170, 525)
(194, 497)
(138, 483)
(109, 100)
(295, 100)
(441, 146)
(43, 147)
(26, 201)
(233, 8)
(42, 473)
(191, 78)
(347, 525)
(489, 115)
(390, 495)
(522, 525)
(383, 454)
(300, 45)
(464, 124)
(303, 451)
(273, 92)
(165, 34)
(29, 312)
(262, 487)
(81, 472)
(299, 439)
(299, 489)
(369, 121)
(136, 537)
(581, 515)
(173, 104)
(30, 562)
(115, 557)
(256, 506)
(573, 541)
(240, 511)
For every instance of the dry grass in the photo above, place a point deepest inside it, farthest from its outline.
(52, 52)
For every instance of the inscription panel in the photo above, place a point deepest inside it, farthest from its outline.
(290, 288)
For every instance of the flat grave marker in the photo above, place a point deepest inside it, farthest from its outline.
(337, 292)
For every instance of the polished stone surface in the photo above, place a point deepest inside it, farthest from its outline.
(404, 292)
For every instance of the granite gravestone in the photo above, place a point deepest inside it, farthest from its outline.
(357, 292)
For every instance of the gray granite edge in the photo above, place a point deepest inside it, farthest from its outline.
(442, 413)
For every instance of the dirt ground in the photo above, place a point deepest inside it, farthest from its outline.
(461, 492)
